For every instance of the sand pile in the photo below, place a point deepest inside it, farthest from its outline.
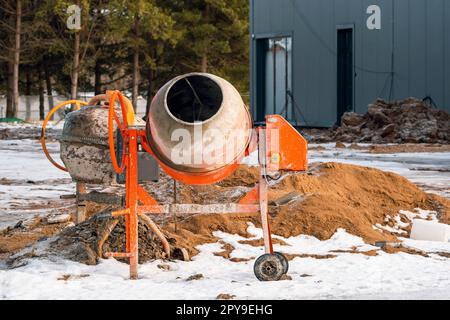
(329, 196)
(406, 121)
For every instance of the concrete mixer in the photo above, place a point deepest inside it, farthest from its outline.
(198, 129)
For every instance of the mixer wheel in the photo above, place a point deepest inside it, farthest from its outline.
(284, 261)
(270, 267)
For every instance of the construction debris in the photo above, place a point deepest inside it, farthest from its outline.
(406, 121)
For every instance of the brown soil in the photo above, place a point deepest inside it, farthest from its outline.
(403, 148)
(334, 196)
(260, 242)
(15, 238)
(396, 249)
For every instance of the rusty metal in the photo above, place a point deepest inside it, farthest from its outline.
(44, 125)
(84, 146)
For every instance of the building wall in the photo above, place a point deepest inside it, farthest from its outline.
(409, 56)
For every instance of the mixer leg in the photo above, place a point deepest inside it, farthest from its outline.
(268, 248)
(132, 203)
(81, 207)
(262, 192)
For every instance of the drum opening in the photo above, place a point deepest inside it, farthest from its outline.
(194, 98)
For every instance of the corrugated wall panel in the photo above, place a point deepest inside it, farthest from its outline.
(435, 51)
(327, 65)
(447, 55)
(402, 54)
(417, 48)
(421, 56)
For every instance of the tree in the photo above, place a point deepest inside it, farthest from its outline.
(139, 22)
(12, 27)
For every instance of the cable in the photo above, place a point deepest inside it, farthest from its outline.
(297, 108)
(428, 99)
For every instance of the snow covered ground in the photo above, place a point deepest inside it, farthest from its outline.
(347, 276)
(29, 184)
(27, 178)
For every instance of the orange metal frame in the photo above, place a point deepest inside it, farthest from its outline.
(289, 153)
(139, 202)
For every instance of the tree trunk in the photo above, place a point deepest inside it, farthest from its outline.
(48, 84)
(41, 93)
(135, 91)
(97, 78)
(204, 63)
(75, 66)
(12, 111)
(28, 93)
(9, 91)
(149, 91)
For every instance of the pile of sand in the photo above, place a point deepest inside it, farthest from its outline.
(330, 196)
(406, 121)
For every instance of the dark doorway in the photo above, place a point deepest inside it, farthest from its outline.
(344, 72)
(274, 77)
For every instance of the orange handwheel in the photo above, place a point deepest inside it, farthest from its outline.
(122, 127)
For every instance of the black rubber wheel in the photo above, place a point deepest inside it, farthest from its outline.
(269, 267)
(284, 261)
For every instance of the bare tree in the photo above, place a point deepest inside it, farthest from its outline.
(12, 27)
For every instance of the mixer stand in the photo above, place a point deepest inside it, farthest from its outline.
(139, 204)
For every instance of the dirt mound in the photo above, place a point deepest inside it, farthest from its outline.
(90, 240)
(27, 131)
(330, 196)
(406, 121)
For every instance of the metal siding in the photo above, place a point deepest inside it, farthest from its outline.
(328, 65)
(447, 55)
(252, 61)
(435, 49)
(417, 44)
(421, 56)
(402, 56)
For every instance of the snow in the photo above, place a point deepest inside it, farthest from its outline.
(385, 276)
(24, 159)
(24, 164)
(398, 224)
(347, 276)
